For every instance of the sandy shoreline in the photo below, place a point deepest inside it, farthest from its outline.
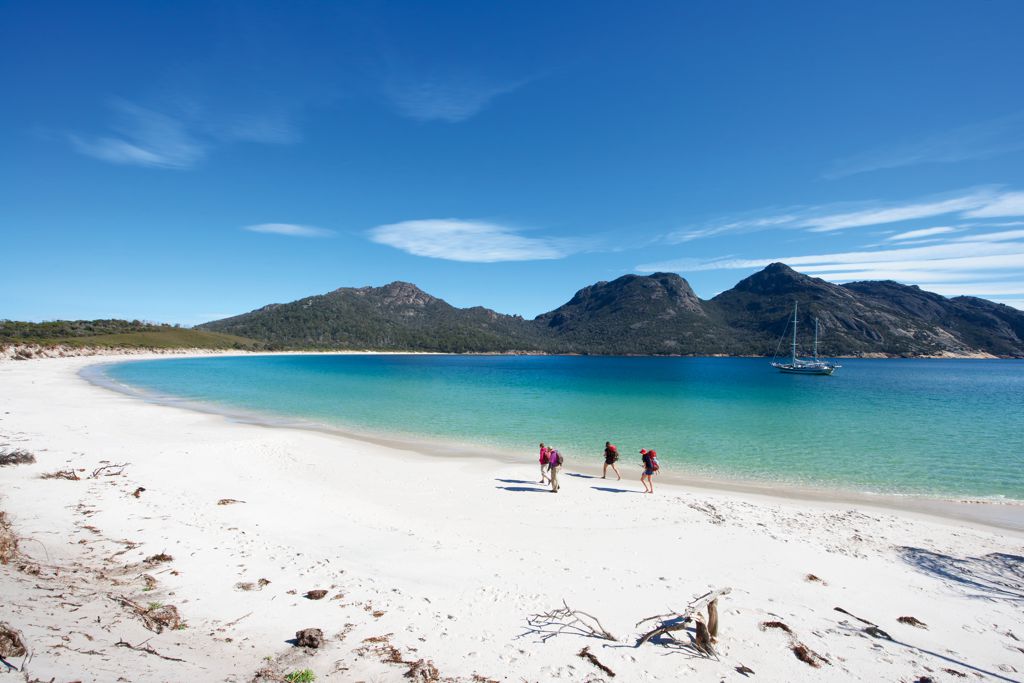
(1000, 514)
(446, 559)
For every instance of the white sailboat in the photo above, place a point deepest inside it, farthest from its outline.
(803, 366)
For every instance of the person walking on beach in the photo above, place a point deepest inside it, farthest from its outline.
(651, 467)
(555, 461)
(611, 456)
(545, 453)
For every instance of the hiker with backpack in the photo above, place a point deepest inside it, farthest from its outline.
(611, 456)
(545, 454)
(651, 467)
(555, 461)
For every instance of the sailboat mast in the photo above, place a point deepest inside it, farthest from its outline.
(794, 332)
(815, 339)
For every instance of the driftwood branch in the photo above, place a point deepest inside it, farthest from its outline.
(702, 641)
(713, 619)
(676, 621)
(568, 621)
(142, 647)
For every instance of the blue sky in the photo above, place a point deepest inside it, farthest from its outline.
(185, 161)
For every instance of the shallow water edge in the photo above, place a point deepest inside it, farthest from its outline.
(1006, 514)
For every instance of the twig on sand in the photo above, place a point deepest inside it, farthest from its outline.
(232, 623)
(850, 614)
(142, 647)
(872, 630)
(586, 654)
(567, 620)
(114, 470)
(70, 475)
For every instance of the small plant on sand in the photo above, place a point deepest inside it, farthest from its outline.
(155, 605)
(303, 676)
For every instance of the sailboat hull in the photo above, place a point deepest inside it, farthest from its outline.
(810, 369)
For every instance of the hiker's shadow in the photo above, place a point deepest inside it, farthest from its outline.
(609, 489)
(580, 476)
(996, 576)
(517, 481)
(523, 489)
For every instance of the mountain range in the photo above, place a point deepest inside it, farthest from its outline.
(656, 314)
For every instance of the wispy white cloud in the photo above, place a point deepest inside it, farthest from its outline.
(143, 136)
(289, 229)
(1007, 204)
(469, 241)
(985, 289)
(1012, 253)
(735, 225)
(918, 234)
(895, 214)
(451, 98)
(1002, 236)
(982, 140)
(971, 203)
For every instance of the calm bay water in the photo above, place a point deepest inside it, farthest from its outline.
(939, 427)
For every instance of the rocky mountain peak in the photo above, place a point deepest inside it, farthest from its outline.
(398, 293)
(775, 278)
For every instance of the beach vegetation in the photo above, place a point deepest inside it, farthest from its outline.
(117, 334)
(301, 676)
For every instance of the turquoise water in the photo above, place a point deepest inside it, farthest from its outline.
(937, 427)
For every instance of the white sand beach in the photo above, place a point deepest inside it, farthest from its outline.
(433, 566)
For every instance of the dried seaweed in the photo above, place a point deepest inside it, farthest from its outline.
(16, 457)
(586, 654)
